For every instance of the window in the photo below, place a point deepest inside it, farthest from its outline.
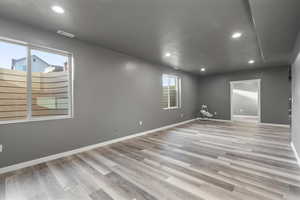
(13, 82)
(171, 91)
(35, 83)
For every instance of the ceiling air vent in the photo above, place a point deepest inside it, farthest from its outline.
(66, 34)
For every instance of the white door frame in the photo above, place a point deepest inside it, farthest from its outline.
(259, 96)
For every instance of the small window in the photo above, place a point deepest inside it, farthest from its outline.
(171, 91)
(38, 88)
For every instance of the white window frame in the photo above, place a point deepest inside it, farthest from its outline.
(178, 92)
(30, 47)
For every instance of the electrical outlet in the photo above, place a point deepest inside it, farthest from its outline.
(1, 148)
(140, 123)
(181, 115)
(215, 113)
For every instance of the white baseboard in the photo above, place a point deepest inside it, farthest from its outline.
(217, 120)
(296, 153)
(278, 125)
(83, 149)
(247, 116)
(227, 120)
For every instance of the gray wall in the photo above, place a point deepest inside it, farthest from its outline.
(112, 92)
(214, 91)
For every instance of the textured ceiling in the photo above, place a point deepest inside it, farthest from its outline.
(196, 32)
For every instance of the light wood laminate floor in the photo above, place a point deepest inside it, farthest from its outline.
(200, 160)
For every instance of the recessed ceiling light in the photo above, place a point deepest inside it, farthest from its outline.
(202, 69)
(58, 9)
(236, 35)
(251, 61)
(168, 54)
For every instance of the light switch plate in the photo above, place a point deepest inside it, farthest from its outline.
(1, 147)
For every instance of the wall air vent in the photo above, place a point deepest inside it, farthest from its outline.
(66, 34)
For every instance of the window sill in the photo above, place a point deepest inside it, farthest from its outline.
(36, 119)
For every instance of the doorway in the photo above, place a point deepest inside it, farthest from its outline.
(245, 100)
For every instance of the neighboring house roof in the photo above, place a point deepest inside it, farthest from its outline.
(56, 67)
(34, 57)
